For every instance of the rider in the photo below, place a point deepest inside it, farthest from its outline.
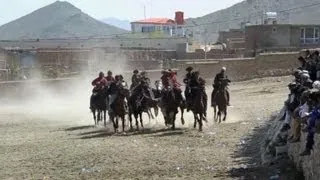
(110, 77)
(145, 85)
(113, 91)
(165, 78)
(135, 80)
(198, 82)
(186, 81)
(144, 77)
(220, 82)
(99, 83)
(175, 84)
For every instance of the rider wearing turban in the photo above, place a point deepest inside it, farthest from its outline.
(221, 81)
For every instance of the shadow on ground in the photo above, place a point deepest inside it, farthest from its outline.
(105, 132)
(249, 157)
(78, 128)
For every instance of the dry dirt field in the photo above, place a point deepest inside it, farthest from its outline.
(54, 140)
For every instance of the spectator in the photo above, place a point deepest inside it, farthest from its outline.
(313, 117)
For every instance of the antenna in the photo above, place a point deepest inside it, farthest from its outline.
(144, 9)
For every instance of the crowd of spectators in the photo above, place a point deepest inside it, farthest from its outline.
(303, 103)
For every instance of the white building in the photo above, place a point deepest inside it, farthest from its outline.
(165, 26)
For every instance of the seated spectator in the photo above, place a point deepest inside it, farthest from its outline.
(291, 104)
(313, 117)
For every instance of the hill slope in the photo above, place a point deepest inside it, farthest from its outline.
(57, 20)
(123, 24)
(252, 11)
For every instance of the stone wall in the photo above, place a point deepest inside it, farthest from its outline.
(264, 65)
(310, 165)
(238, 69)
(275, 149)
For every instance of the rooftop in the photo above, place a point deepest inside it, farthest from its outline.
(155, 21)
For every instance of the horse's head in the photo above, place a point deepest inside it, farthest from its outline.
(124, 92)
(167, 93)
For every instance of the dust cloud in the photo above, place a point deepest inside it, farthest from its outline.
(58, 100)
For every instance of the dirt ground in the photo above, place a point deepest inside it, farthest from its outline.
(61, 143)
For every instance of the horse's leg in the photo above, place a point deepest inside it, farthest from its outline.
(94, 117)
(113, 122)
(200, 122)
(174, 121)
(105, 117)
(156, 111)
(219, 115)
(117, 122)
(137, 123)
(149, 116)
(141, 121)
(130, 121)
(152, 117)
(195, 120)
(225, 114)
(182, 112)
(215, 113)
(123, 123)
(99, 115)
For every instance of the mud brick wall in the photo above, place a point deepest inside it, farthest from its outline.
(246, 68)
(310, 165)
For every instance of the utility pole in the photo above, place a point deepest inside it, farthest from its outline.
(205, 43)
(144, 11)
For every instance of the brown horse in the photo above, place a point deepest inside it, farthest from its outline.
(98, 103)
(169, 106)
(137, 104)
(220, 101)
(118, 108)
(198, 107)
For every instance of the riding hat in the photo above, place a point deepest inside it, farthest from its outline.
(189, 68)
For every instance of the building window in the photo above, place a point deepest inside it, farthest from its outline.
(309, 35)
(147, 29)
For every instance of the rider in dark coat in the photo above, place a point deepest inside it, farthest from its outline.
(135, 80)
(187, 92)
(198, 82)
(220, 82)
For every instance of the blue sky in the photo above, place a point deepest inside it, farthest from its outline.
(122, 9)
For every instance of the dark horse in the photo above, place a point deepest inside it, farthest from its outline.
(99, 105)
(118, 108)
(169, 106)
(198, 106)
(137, 104)
(220, 100)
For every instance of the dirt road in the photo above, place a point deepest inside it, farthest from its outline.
(60, 143)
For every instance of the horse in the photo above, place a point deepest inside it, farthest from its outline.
(198, 107)
(137, 104)
(118, 108)
(157, 93)
(169, 106)
(98, 104)
(220, 101)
